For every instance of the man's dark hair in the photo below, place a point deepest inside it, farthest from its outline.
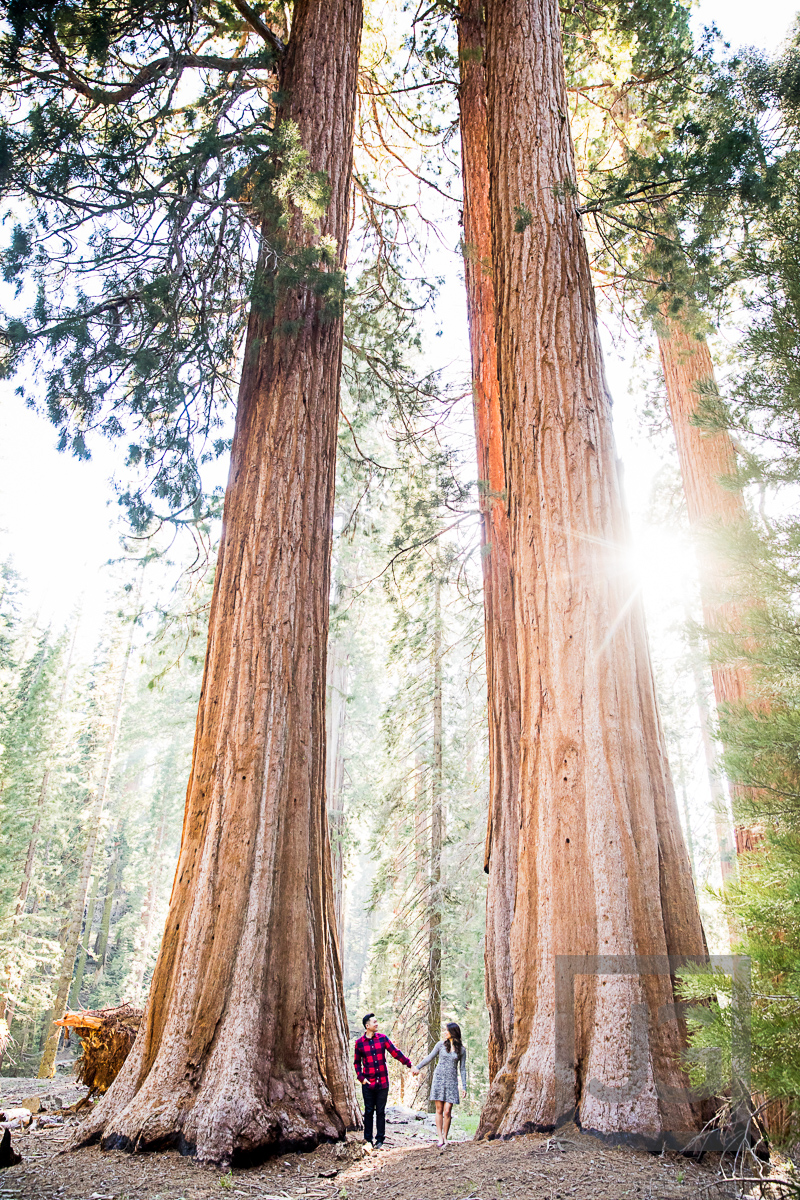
(367, 1017)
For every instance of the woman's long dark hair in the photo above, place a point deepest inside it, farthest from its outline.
(455, 1037)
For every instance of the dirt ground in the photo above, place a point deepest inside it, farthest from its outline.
(573, 1166)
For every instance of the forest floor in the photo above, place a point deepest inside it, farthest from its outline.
(571, 1166)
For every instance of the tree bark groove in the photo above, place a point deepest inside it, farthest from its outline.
(243, 1048)
(602, 867)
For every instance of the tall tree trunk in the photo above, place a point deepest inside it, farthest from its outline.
(687, 816)
(112, 883)
(6, 1003)
(602, 867)
(83, 951)
(47, 1067)
(433, 1015)
(719, 801)
(706, 458)
(335, 727)
(150, 903)
(421, 830)
(244, 1043)
(502, 669)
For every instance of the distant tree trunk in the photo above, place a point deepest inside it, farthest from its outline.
(244, 1043)
(719, 801)
(83, 951)
(33, 842)
(502, 669)
(602, 867)
(112, 883)
(336, 721)
(421, 817)
(433, 1015)
(47, 1067)
(149, 908)
(705, 458)
(687, 816)
(7, 1005)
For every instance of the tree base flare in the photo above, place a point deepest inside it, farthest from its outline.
(220, 1133)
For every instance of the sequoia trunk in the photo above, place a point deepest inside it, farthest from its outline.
(502, 670)
(706, 458)
(243, 1047)
(602, 868)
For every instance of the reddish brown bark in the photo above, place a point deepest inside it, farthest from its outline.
(705, 459)
(502, 671)
(602, 867)
(244, 1042)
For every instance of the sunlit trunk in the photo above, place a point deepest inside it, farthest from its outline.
(502, 670)
(602, 868)
(706, 459)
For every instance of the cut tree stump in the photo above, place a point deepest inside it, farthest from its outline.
(106, 1035)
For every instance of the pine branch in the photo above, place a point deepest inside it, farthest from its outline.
(147, 75)
(263, 30)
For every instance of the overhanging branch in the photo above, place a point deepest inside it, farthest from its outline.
(261, 28)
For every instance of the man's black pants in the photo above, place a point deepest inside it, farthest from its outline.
(374, 1102)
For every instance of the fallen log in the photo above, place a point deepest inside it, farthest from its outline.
(15, 1118)
(106, 1036)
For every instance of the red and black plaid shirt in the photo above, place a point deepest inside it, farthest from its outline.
(370, 1059)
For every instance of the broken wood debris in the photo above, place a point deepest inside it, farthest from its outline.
(106, 1035)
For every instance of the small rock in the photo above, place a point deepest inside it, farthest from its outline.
(329, 1173)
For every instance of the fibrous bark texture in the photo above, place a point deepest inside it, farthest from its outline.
(502, 670)
(706, 458)
(243, 1048)
(602, 867)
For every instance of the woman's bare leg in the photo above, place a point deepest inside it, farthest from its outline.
(439, 1107)
(446, 1115)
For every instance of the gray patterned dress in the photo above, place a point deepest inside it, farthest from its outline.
(445, 1077)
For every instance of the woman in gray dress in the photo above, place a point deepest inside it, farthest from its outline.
(444, 1089)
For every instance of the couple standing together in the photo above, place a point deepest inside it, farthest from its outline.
(370, 1065)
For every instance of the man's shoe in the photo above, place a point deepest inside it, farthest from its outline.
(379, 1145)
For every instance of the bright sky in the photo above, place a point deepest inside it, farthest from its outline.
(57, 515)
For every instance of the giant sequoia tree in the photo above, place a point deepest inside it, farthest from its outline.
(602, 868)
(502, 669)
(244, 1041)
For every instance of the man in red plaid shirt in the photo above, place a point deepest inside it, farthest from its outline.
(370, 1065)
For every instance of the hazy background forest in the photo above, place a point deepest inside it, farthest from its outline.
(102, 634)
